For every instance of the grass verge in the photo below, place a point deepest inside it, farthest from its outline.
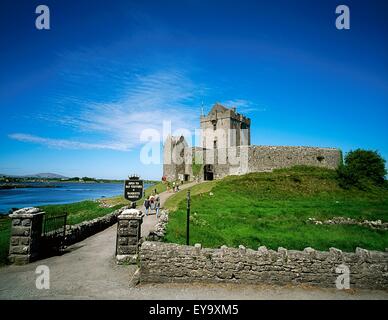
(5, 231)
(77, 213)
(272, 209)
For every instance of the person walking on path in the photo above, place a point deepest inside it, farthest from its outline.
(157, 205)
(152, 202)
(146, 206)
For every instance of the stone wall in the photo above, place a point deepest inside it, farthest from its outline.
(26, 230)
(247, 159)
(28, 243)
(242, 160)
(80, 231)
(158, 232)
(265, 158)
(164, 262)
(128, 236)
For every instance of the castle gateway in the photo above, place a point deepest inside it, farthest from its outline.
(226, 150)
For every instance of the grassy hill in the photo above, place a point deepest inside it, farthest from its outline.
(273, 209)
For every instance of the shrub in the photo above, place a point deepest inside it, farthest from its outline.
(362, 169)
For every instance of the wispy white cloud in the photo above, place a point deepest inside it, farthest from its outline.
(147, 101)
(65, 144)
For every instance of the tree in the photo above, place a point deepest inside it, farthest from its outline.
(361, 169)
(88, 179)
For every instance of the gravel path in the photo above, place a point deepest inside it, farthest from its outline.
(87, 270)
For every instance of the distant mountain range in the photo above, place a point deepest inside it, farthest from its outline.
(47, 175)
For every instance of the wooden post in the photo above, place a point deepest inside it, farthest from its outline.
(188, 219)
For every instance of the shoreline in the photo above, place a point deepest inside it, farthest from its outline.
(57, 183)
(100, 199)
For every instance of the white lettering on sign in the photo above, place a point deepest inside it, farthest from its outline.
(133, 189)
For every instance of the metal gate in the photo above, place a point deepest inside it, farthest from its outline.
(54, 232)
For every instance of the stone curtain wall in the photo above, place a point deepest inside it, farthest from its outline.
(266, 158)
(164, 262)
(254, 159)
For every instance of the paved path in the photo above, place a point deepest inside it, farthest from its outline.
(150, 221)
(87, 270)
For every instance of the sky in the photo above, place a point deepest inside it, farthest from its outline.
(74, 99)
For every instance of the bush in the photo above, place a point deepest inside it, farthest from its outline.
(362, 169)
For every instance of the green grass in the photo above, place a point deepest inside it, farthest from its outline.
(88, 210)
(77, 213)
(172, 203)
(271, 209)
(5, 228)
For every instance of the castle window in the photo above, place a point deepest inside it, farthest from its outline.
(214, 124)
(320, 158)
(215, 144)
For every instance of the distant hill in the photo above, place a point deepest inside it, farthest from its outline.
(46, 175)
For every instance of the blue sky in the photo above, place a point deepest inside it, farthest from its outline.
(74, 99)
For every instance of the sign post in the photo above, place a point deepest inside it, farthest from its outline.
(133, 190)
(129, 224)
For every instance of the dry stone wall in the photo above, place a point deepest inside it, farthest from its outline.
(165, 262)
(83, 230)
(159, 230)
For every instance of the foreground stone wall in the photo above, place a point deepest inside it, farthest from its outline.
(164, 262)
(26, 230)
(128, 236)
(28, 243)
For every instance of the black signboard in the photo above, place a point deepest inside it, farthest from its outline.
(133, 189)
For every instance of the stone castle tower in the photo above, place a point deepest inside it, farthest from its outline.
(225, 128)
(226, 150)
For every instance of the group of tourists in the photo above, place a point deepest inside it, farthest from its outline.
(173, 186)
(152, 203)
